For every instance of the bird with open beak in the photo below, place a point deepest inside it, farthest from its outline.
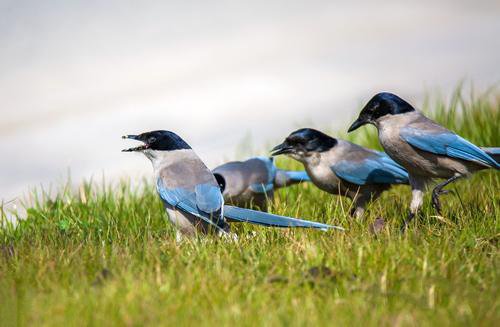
(190, 192)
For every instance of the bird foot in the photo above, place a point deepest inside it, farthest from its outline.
(229, 236)
(438, 190)
(406, 222)
(357, 212)
(436, 204)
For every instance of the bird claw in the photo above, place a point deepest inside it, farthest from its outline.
(436, 204)
(404, 227)
(406, 222)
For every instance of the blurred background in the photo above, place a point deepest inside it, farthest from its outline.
(76, 75)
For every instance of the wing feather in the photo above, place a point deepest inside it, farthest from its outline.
(203, 203)
(377, 168)
(448, 144)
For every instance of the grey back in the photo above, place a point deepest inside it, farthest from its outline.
(240, 175)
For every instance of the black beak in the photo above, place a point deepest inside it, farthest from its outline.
(357, 124)
(139, 148)
(283, 148)
(132, 137)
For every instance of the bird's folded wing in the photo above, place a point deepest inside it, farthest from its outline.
(201, 205)
(447, 144)
(268, 186)
(376, 169)
(208, 198)
(262, 218)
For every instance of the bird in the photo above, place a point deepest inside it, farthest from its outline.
(190, 192)
(252, 182)
(424, 148)
(343, 168)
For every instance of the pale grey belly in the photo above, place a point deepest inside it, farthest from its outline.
(182, 221)
(327, 181)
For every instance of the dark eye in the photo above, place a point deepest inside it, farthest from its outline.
(151, 140)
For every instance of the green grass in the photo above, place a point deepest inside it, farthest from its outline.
(110, 257)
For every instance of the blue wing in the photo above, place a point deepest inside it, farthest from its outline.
(208, 198)
(375, 169)
(447, 144)
(271, 173)
(205, 202)
(267, 219)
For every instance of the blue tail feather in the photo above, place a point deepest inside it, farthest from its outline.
(266, 219)
(297, 176)
(493, 152)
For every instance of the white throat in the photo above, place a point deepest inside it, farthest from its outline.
(392, 120)
(312, 159)
(160, 159)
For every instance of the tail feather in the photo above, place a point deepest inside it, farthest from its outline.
(266, 219)
(493, 152)
(285, 178)
(298, 176)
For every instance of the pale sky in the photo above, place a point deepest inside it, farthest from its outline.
(76, 75)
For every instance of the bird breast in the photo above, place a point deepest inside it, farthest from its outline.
(323, 177)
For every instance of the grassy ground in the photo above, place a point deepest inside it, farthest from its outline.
(110, 257)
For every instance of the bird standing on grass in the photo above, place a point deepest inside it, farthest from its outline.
(253, 181)
(190, 192)
(343, 168)
(426, 149)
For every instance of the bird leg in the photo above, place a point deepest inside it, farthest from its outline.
(438, 190)
(359, 204)
(418, 186)
(357, 212)
(361, 200)
(407, 221)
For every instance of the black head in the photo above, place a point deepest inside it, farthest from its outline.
(158, 140)
(381, 105)
(304, 141)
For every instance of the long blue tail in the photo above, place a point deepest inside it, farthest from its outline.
(285, 178)
(297, 176)
(493, 152)
(266, 219)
